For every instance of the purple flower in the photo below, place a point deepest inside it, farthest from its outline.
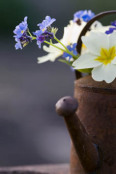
(46, 23)
(83, 15)
(111, 29)
(21, 28)
(42, 36)
(71, 48)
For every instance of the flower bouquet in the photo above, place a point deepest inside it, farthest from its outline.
(87, 47)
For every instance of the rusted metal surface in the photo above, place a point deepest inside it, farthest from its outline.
(97, 113)
(40, 169)
(96, 122)
(75, 164)
(86, 150)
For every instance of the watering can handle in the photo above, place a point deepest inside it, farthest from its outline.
(86, 28)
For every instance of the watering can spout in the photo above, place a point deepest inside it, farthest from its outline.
(85, 149)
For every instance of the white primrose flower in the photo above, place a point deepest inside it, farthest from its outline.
(71, 34)
(95, 27)
(101, 56)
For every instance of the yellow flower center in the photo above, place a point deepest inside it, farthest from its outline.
(22, 31)
(84, 47)
(106, 56)
(43, 29)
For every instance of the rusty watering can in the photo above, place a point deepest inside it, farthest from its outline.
(92, 127)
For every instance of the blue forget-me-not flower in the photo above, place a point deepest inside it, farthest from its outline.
(45, 30)
(42, 36)
(83, 15)
(71, 48)
(111, 29)
(46, 23)
(21, 34)
(21, 28)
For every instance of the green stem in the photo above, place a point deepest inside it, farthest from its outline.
(30, 33)
(67, 51)
(75, 57)
(55, 46)
(61, 43)
(33, 38)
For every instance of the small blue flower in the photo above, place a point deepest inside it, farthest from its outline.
(111, 29)
(38, 33)
(22, 41)
(83, 15)
(71, 48)
(46, 23)
(21, 28)
(21, 34)
(18, 44)
(113, 23)
(42, 36)
(45, 31)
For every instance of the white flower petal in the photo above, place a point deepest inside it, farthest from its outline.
(103, 29)
(86, 61)
(53, 53)
(48, 49)
(112, 40)
(72, 32)
(114, 61)
(44, 58)
(76, 30)
(49, 57)
(95, 41)
(96, 25)
(103, 72)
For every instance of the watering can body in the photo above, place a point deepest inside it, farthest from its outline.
(92, 126)
(97, 113)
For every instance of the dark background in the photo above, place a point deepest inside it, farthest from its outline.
(30, 130)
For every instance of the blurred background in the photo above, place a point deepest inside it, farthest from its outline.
(30, 130)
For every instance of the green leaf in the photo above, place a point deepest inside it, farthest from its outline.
(88, 70)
